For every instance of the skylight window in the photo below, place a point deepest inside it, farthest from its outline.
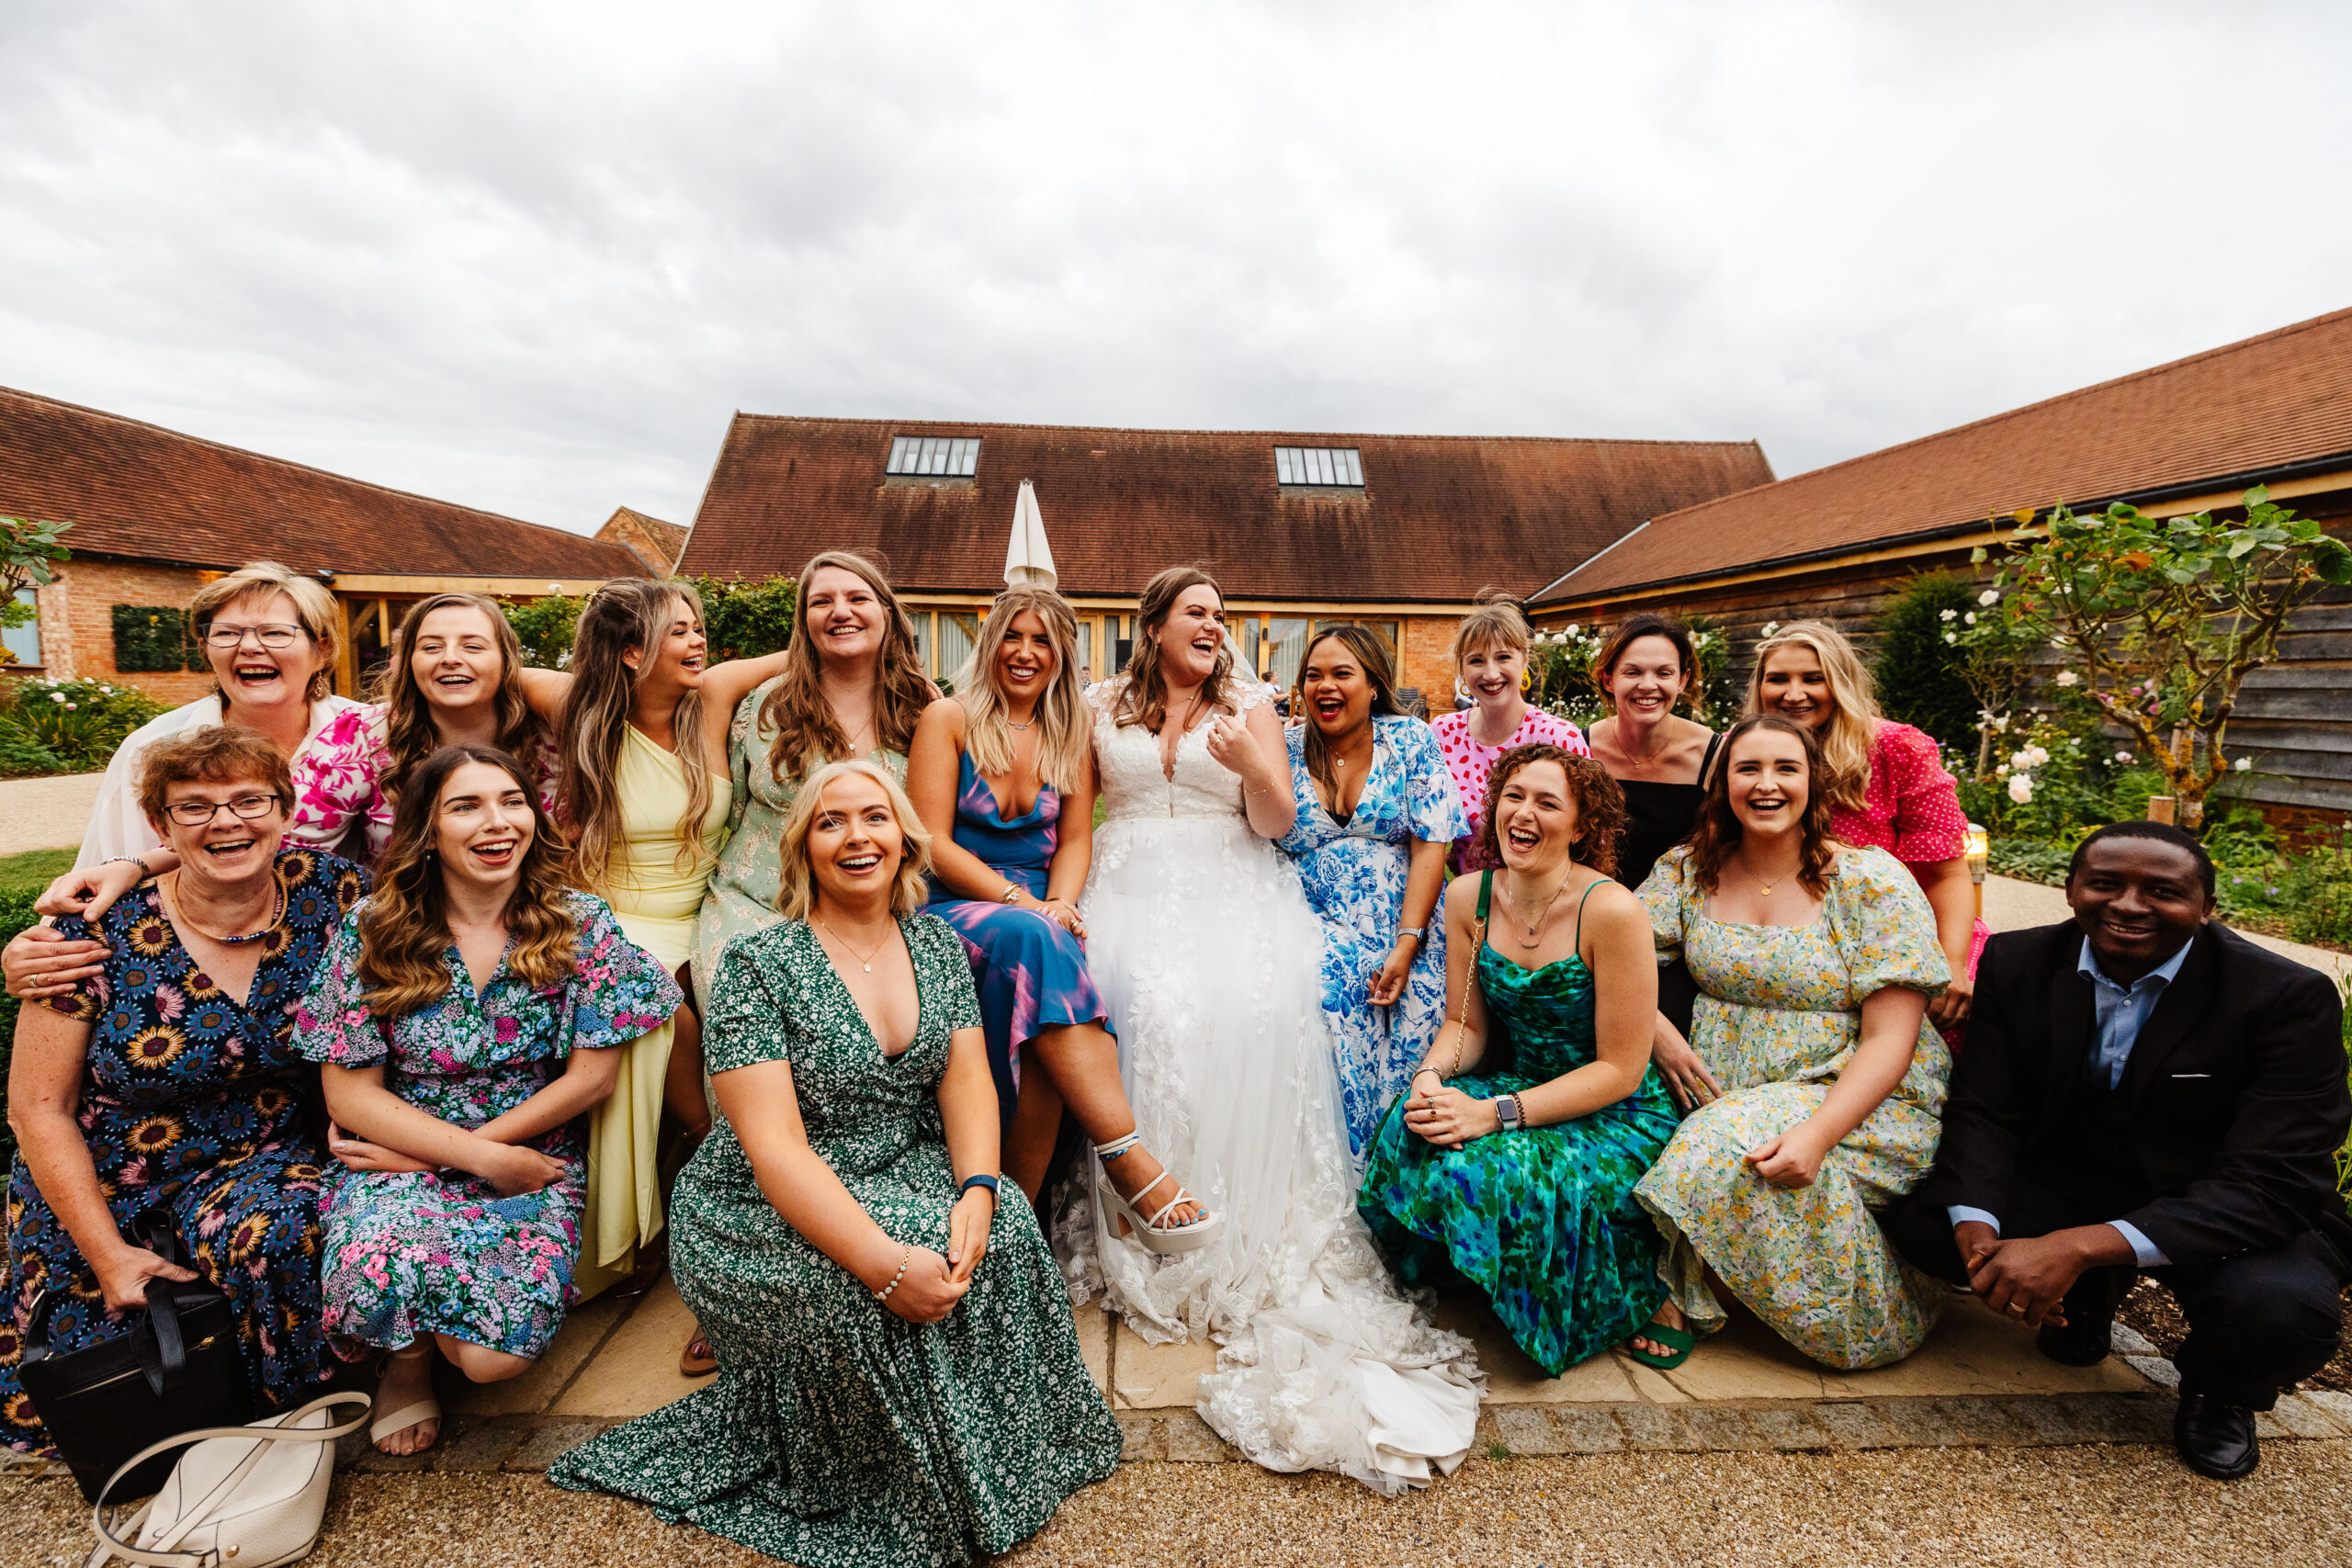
(944, 457)
(1334, 468)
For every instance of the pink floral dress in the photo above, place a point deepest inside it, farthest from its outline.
(440, 1252)
(1472, 763)
(338, 781)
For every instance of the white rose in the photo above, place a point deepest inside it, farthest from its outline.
(2038, 754)
(2002, 772)
(1970, 618)
(2244, 764)
(2124, 756)
(2022, 758)
(57, 697)
(1988, 597)
(2021, 787)
(2068, 677)
(1948, 614)
(1769, 628)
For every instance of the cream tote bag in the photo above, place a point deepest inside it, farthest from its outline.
(240, 1498)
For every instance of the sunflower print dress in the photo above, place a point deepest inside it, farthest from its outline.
(424, 1252)
(837, 1434)
(200, 1105)
(1779, 1015)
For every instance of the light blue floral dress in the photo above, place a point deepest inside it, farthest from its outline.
(1354, 872)
(440, 1252)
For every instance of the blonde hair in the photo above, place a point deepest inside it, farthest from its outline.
(1496, 623)
(806, 733)
(1062, 742)
(1144, 698)
(628, 612)
(1846, 741)
(796, 894)
(313, 607)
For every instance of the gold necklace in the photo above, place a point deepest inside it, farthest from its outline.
(866, 960)
(1537, 924)
(169, 887)
(1639, 762)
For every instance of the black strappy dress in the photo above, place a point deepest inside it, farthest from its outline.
(1657, 817)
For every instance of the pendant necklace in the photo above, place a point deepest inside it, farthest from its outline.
(1031, 725)
(277, 913)
(865, 960)
(1530, 940)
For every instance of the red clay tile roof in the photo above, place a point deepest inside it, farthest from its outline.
(138, 490)
(658, 542)
(2248, 408)
(1438, 519)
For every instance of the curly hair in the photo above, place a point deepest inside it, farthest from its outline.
(216, 754)
(1600, 805)
(1717, 835)
(405, 927)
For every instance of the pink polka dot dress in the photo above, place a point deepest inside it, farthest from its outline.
(1472, 763)
(1911, 809)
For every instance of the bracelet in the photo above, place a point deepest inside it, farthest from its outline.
(1424, 1068)
(1012, 893)
(906, 1256)
(971, 1181)
(144, 869)
(1418, 933)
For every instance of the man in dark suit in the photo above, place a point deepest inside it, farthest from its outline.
(2144, 1090)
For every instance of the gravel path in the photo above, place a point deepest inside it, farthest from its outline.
(2080, 1507)
(47, 813)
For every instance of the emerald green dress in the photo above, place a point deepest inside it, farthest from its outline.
(837, 1434)
(1543, 1221)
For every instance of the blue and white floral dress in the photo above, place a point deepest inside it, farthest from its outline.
(440, 1252)
(1354, 872)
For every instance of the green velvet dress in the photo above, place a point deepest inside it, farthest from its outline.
(1543, 1221)
(837, 1434)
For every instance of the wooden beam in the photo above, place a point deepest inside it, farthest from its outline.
(363, 584)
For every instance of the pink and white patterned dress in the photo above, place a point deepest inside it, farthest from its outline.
(338, 782)
(1472, 763)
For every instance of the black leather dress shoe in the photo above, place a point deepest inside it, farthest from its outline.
(2214, 1438)
(2083, 1344)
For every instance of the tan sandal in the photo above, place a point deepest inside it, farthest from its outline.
(692, 1366)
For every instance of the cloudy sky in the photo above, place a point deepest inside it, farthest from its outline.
(530, 257)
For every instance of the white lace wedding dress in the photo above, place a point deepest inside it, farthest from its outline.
(1202, 943)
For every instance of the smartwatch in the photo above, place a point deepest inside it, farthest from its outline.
(971, 1181)
(1506, 1112)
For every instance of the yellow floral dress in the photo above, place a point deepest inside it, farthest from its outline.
(1778, 1018)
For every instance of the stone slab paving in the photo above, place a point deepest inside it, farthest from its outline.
(46, 814)
(1977, 1382)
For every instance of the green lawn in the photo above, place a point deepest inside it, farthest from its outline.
(33, 869)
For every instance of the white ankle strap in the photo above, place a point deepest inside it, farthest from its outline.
(1117, 1147)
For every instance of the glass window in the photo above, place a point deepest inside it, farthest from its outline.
(949, 456)
(1086, 652)
(1248, 632)
(1289, 640)
(23, 642)
(958, 634)
(1325, 467)
(921, 619)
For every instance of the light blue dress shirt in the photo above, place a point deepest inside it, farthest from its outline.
(2118, 1013)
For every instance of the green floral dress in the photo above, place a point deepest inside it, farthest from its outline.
(1543, 1221)
(744, 884)
(1778, 1018)
(838, 1435)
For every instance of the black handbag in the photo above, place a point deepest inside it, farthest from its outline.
(179, 1368)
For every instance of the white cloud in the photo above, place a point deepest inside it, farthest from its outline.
(533, 262)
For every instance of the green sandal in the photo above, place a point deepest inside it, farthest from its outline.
(1680, 1341)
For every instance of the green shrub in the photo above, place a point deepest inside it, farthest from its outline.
(544, 627)
(1919, 674)
(746, 620)
(77, 724)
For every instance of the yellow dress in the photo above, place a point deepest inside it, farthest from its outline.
(656, 893)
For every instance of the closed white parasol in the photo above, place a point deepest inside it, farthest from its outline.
(1028, 560)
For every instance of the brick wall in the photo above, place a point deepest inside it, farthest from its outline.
(77, 622)
(1425, 660)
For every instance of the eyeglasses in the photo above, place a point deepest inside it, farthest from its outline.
(272, 635)
(201, 813)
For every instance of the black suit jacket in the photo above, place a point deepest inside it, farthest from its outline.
(2234, 1095)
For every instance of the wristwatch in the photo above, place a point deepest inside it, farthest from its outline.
(1506, 1112)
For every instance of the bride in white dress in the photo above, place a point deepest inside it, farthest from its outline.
(1204, 946)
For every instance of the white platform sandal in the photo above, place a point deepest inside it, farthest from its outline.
(1155, 1237)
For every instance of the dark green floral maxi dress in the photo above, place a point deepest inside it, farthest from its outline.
(1543, 1221)
(838, 1435)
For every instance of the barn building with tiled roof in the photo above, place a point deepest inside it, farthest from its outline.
(1399, 532)
(156, 513)
(2191, 436)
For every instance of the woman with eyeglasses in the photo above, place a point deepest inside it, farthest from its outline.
(165, 1093)
(269, 637)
